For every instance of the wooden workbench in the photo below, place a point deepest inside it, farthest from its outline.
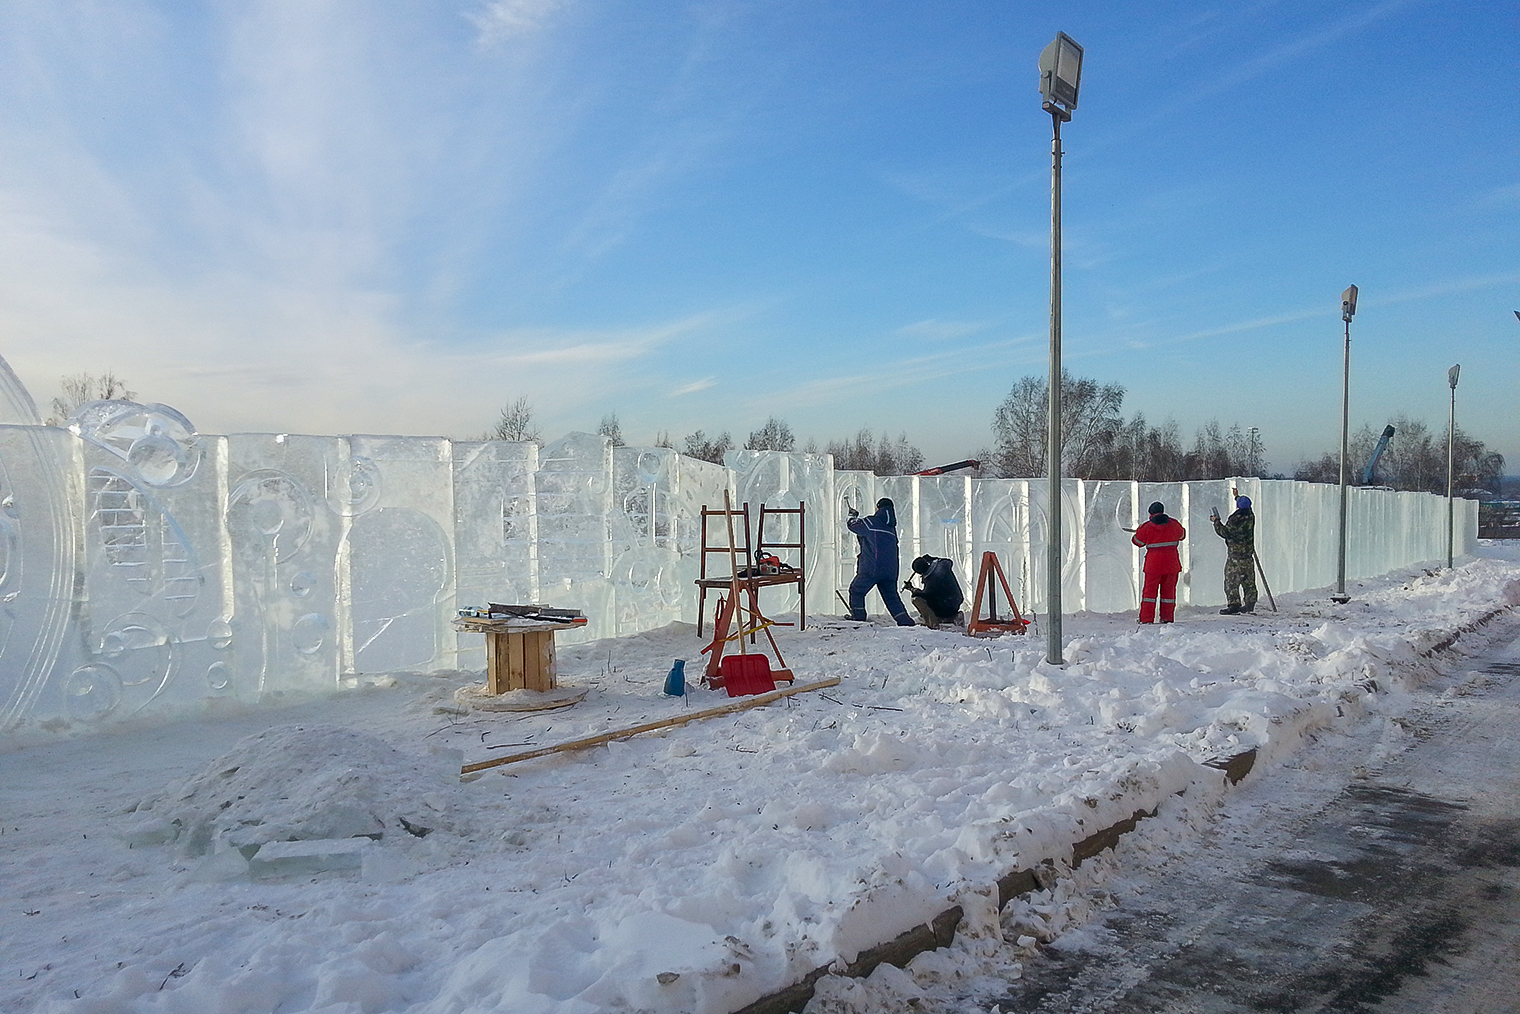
(519, 653)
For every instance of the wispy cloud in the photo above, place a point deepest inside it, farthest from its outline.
(1331, 308)
(502, 21)
(895, 374)
(1506, 198)
(942, 330)
(1269, 60)
(695, 386)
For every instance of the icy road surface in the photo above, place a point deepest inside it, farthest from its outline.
(1329, 886)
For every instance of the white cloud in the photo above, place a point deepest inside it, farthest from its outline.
(695, 386)
(504, 20)
(941, 330)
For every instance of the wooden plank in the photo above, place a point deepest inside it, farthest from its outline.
(496, 668)
(538, 661)
(664, 723)
(516, 676)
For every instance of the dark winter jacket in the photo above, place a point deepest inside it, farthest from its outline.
(1238, 533)
(940, 588)
(877, 535)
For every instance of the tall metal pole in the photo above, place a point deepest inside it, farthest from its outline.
(1053, 429)
(1451, 460)
(1340, 570)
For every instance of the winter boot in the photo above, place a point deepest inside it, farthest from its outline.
(1229, 610)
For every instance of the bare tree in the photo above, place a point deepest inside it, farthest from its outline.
(775, 435)
(1414, 460)
(516, 423)
(1090, 425)
(611, 429)
(86, 387)
(884, 456)
(699, 446)
(662, 439)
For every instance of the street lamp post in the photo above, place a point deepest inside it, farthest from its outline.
(1348, 310)
(1451, 460)
(1060, 75)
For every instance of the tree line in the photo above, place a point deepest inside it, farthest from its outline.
(1415, 459)
(864, 450)
(1098, 442)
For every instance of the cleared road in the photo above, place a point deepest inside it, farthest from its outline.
(1398, 893)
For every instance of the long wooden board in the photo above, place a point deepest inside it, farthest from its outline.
(664, 723)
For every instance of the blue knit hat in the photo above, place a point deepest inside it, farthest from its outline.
(1242, 503)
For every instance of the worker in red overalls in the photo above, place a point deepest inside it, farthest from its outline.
(1160, 537)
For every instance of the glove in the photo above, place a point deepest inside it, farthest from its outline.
(854, 513)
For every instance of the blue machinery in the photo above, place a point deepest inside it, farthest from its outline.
(1377, 452)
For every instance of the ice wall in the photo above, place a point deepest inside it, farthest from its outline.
(148, 570)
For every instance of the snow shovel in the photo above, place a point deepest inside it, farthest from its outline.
(743, 675)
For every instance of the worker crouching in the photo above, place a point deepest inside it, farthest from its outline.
(938, 596)
(1159, 537)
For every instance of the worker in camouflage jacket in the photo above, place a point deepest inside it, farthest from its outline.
(1239, 534)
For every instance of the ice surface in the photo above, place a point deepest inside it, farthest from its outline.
(290, 501)
(44, 677)
(149, 569)
(495, 530)
(400, 552)
(16, 405)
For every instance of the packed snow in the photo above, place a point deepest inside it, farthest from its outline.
(326, 855)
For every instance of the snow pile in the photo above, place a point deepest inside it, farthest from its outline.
(299, 783)
(695, 869)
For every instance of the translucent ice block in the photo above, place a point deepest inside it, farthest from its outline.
(1000, 521)
(578, 541)
(290, 502)
(16, 405)
(401, 554)
(495, 530)
(43, 676)
(1110, 574)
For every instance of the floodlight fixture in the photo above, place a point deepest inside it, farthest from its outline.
(1452, 375)
(1061, 75)
(1348, 304)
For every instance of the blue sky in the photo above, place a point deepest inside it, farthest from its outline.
(398, 217)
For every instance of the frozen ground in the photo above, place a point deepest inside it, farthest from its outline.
(694, 870)
(1332, 885)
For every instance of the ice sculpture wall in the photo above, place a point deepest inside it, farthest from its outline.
(148, 570)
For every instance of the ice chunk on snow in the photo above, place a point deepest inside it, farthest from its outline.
(286, 858)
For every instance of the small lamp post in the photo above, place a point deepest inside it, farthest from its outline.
(1060, 75)
(1451, 460)
(1348, 310)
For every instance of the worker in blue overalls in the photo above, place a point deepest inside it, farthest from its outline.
(876, 563)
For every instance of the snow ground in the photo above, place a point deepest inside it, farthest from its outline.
(691, 870)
